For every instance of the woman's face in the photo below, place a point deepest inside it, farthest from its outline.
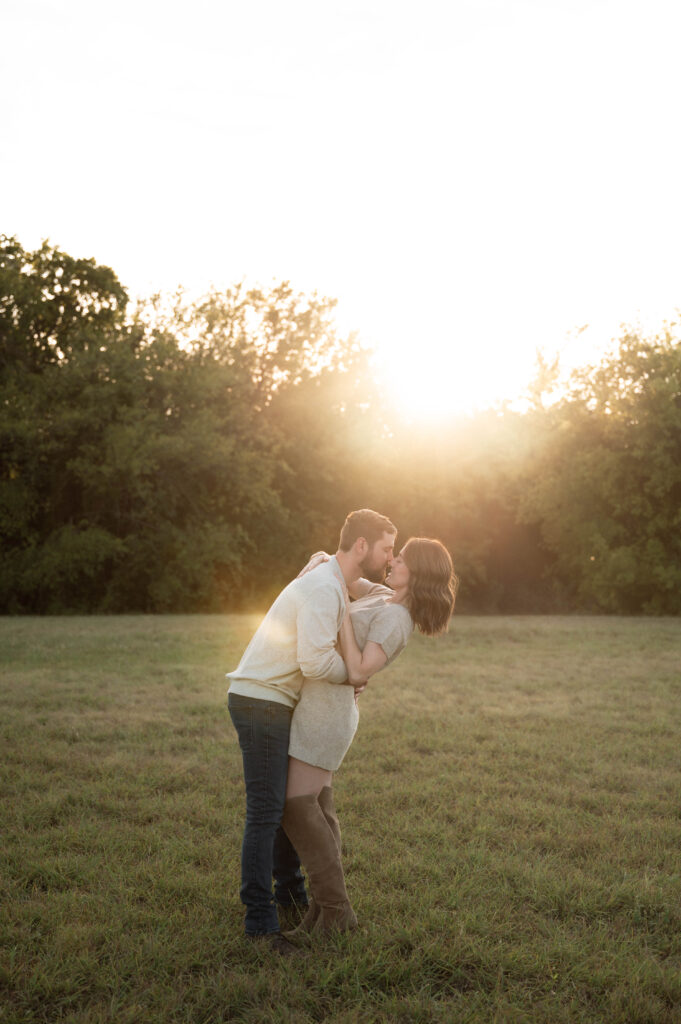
(398, 577)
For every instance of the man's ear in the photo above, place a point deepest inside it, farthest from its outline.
(361, 547)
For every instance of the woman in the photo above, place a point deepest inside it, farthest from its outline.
(377, 625)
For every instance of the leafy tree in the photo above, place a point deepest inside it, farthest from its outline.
(606, 485)
(309, 389)
(188, 455)
(53, 310)
(148, 466)
(134, 484)
(52, 305)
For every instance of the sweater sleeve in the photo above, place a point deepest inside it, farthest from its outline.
(317, 633)
(391, 630)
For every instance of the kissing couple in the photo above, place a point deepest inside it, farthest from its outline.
(293, 700)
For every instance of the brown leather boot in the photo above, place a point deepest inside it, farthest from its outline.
(313, 837)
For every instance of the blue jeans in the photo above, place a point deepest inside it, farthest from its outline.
(263, 728)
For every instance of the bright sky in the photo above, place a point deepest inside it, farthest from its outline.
(472, 179)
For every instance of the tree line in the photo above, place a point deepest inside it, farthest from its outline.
(186, 455)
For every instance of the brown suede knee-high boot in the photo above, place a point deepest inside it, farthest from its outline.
(306, 826)
(325, 799)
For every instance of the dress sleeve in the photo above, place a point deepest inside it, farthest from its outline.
(391, 628)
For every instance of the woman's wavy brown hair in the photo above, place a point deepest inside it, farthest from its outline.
(432, 584)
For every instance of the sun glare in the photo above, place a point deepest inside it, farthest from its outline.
(433, 383)
(485, 364)
(435, 377)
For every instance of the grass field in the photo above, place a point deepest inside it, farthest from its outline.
(511, 811)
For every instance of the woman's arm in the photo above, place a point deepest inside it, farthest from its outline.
(360, 664)
(359, 588)
(315, 560)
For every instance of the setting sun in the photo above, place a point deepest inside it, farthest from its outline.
(426, 382)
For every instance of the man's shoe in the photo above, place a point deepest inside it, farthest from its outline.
(277, 943)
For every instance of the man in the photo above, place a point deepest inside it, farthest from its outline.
(296, 640)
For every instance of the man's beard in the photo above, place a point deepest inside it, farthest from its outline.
(372, 574)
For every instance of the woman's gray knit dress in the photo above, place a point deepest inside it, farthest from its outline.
(325, 719)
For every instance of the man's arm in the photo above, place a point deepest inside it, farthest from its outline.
(317, 632)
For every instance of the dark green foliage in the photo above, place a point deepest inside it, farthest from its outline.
(188, 456)
(606, 484)
(155, 466)
(52, 306)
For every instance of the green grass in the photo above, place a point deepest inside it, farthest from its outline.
(511, 811)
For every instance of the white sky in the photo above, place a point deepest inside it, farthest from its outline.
(471, 179)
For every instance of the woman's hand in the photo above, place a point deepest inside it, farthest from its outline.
(315, 560)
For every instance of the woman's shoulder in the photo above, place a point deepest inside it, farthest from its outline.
(390, 611)
(391, 626)
(398, 611)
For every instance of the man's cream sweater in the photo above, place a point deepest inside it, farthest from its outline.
(296, 640)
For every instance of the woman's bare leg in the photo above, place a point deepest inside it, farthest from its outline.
(305, 779)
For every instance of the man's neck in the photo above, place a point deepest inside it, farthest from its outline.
(349, 567)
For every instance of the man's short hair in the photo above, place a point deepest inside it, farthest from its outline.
(364, 523)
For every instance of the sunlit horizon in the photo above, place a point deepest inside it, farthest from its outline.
(427, 376)
(428, 382)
